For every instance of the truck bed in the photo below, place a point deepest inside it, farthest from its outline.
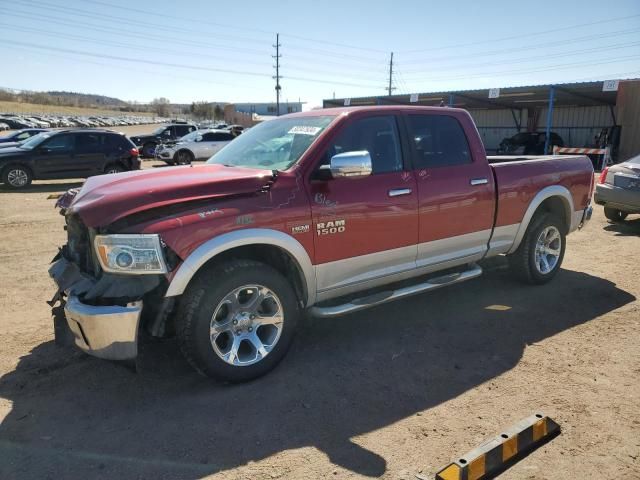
(519, 178)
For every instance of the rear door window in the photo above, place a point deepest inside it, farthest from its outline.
(438, 141)
(217, 137)
(89, 143)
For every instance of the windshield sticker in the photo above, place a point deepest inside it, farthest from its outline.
(305, 130)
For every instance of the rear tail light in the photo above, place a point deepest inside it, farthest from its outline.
(603, 175)
(134, 152)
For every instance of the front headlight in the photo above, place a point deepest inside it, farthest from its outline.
(132, 254)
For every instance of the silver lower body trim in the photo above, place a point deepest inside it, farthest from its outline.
(388, 296)
(108, 332)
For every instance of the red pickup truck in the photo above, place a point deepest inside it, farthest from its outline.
(328, 212)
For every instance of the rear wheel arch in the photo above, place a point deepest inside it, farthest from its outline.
(554, 199)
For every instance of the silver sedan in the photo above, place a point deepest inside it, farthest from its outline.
(197, 145)
(619, 189)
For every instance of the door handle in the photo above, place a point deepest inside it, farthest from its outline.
(397, 192)
(478, 181)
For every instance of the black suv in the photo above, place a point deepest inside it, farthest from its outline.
(67, 154)
(148, 143)
(528, 143)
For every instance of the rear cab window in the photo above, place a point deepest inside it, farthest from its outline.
(437, 141)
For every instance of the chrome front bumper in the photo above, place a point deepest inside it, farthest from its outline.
(105, 331)
(109, 332)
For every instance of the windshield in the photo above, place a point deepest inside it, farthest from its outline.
(273, 144)
(34, 141)
(158, 130)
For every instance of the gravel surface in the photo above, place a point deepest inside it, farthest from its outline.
(394, 392)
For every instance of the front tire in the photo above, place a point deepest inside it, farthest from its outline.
(17, 177)
(614, 214)
(183, 157)
(237, 320)
(540, 254)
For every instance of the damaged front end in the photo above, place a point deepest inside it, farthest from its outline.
(100, 308)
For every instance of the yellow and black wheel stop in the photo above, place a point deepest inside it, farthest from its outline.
(500, 452)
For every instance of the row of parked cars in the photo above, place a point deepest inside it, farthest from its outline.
(180, 143)
(43, 154)
(10, 121)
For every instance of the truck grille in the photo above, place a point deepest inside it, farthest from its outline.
(78, 248)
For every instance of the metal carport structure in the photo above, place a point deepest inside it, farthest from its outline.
(579, 110)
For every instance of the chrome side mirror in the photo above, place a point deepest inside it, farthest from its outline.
(351, 164)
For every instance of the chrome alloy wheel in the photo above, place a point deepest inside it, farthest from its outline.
(246, 325)
(17, 178)
(548, 248)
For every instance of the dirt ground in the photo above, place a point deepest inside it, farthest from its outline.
(394, 392)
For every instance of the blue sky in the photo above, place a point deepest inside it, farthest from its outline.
(204, 50)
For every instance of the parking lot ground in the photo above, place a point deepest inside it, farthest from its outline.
(393, 392)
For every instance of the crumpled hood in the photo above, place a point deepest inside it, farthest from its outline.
(106, 198)
(9, 144)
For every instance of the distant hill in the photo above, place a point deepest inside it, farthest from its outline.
(160, 106)
(88, 98)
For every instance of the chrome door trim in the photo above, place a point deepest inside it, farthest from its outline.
(478, 181)
(397, 192)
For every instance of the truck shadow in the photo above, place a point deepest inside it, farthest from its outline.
(629, 227)
(79, 417)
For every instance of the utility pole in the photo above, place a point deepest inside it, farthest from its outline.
(277, 77)
(391, 87)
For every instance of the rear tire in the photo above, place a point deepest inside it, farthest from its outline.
(237, 320)
(16, 177)
(614, 214)
(113, 168)
(149, 150)
(540, 254)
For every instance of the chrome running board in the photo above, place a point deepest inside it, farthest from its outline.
(390, 295)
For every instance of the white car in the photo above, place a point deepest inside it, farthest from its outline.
(197, 145)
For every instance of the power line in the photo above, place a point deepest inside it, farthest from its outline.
(89, 14)
(537, 46)
(235, 27)
(528, 59)
(128, 68)
(123, 45)
(177, 65)
(95, 27)
(162, 50)
(173, 28)
(535, 70)
(524, 35)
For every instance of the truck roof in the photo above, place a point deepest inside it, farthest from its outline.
(373, 108)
